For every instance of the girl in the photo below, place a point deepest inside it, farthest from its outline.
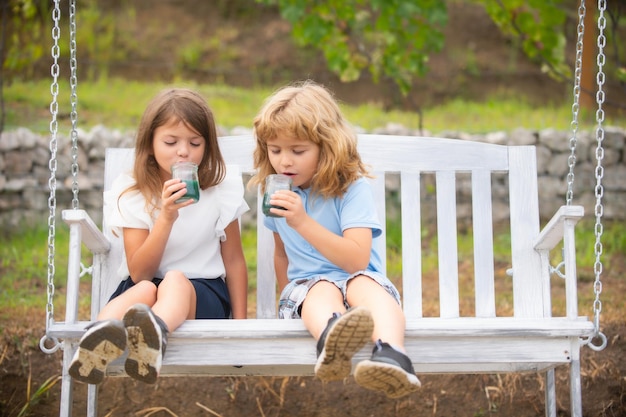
(183, 260)
(326, 264)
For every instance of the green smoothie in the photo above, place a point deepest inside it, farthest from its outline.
(273, 183)
(267, 206)
(193, 191)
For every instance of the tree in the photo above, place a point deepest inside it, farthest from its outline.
(17, 52)
(390, 38)
(394, 38)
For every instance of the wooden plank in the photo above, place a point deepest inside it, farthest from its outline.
(447, 245)
(415, 328)
(553, 233)
(482, 221)
(91, 236)
(266, 277)
(410, 191)
(428, 154)
(524, 208)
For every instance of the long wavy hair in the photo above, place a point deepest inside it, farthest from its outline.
(175, 105)
(309, 112)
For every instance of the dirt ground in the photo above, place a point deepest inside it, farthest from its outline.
(24, 368)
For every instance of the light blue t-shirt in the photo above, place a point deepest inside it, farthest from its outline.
(356, 208)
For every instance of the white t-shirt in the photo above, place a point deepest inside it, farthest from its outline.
(193, 246)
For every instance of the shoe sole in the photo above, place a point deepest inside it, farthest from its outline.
(392, 380)
(101, 345)
(144, 345)
(346, 337)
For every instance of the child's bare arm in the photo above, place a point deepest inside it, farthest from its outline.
(280, 262)
(236, 271)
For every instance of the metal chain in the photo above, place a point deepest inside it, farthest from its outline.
(74, 102)
(571, 160)
(599, 174)
(54, 128)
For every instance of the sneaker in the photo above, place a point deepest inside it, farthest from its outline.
(103, 342)
(147, 339)
(389, 371)
(343, 336)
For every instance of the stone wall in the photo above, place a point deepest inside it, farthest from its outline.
(25, 173)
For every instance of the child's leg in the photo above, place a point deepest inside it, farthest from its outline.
(175, 300)
(389, 321)
(143, 292)
(340, 333)
(389, 369)
(322, 300)
(147, 328)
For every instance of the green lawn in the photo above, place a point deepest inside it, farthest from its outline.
(119, 104)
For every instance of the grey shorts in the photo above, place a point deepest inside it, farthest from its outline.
(292, 297)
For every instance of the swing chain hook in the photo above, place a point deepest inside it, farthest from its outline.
(49, 350)
(599, 189)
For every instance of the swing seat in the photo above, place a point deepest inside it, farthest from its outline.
(471, 329)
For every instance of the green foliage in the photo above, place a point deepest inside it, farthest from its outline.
(26, 45)
(538, 28)
(391, 38)
(394, 38)
(99, 42)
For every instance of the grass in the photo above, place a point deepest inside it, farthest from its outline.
(119, 104)
(24, 269)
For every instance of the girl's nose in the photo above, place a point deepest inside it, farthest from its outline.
(182, 150)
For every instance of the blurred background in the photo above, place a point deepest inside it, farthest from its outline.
(407, 55)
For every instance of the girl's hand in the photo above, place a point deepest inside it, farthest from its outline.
(293, 211)
(173, 189)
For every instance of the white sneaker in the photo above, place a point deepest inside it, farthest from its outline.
(103, 342)
(146, 341)
(344, 336)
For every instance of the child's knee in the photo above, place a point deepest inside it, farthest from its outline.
(176, 279)
(146, 288)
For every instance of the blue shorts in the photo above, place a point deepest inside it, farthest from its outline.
(293, 295)
(212, 299)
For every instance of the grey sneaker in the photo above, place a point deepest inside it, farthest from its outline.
(389, 371)
(344, 336)
(147, 339)
(103, 342)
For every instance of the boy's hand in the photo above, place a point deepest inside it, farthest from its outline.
(291, 202)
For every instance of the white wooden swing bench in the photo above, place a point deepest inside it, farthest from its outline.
(530, 339)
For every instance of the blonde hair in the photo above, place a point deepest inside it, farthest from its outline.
(175, 105)
(309, 112)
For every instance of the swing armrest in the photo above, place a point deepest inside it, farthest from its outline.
(91, 236)
(554, 231)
